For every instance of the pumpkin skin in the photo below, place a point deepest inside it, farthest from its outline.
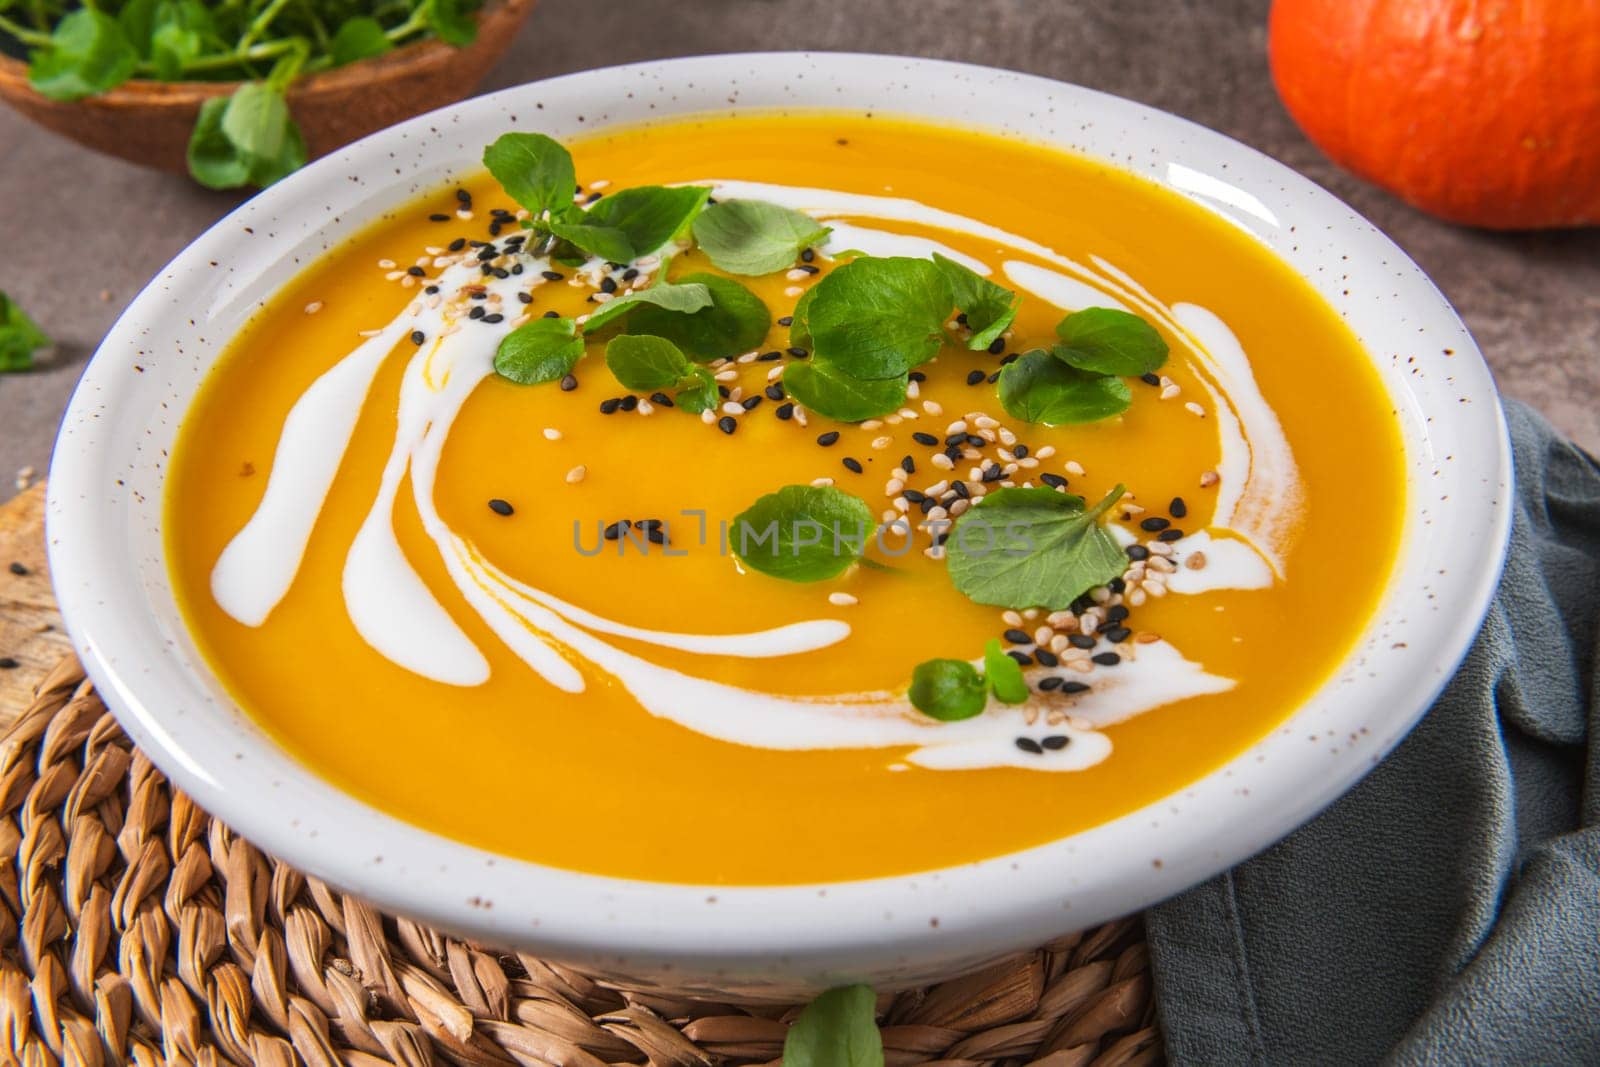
(1483, 112)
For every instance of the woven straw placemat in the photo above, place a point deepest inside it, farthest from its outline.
(139, 929)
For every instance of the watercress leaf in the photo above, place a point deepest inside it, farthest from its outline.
(755, 237)
(699, 393)
(948, 689)
(647, 215)
(802, 533)
(1040, 388)
(827, 390)
(836, 1030)
(1024, 548)
(257, 121)
(534, 170)
(544, 350)
(879, 317)
(736, 321)
(799, 320)
(683, 299)
(989, 308)
(88, 53)
(177, 36)
(137, 19)
(646, 362)
(450, 21)
(215, 161)
(607, 242)
(358, 38)
(1109, 341)
(20, 337)
(1003, 673)
(290, 158)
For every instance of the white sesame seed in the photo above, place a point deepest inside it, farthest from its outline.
(1059, 643)
(1100, 595)
(821, 483)
(906, 413)
(1073, 467)
(882, 442)
(800, 416)
(1005, 455)
(1195, 561)
(729, 375)
(775, 373)
(730, 408)
(1058, 618)
(893, 420)
(935, 552)
(793, 290)
(938, 513)
(1162, 565)
(1195, 409)
(1154, 589)
(1007, 437)
(370, 333)
(1027, 462)
(576, 474)
(1169, 392)
(842, 600)
(937, 488)
(795, 274)
(708, 416)
(985, 422)
(1043, 635)
(1208, 479)
(464, 215)
(395, 275)
(968, 452)
(871, 424)
(1046, 452)
(913, 390)
(901, 503)
(407, 282)
(893, 487)
(1030, 613)
(889, 515)
(645, 408)
(552, 434)
(602, 298)
(932, 408)
(1158, 548)
(386, 264)
(959, 506)
(748, 357)
(736, 394)
(1011, 618)
(1129, 508)
(959, 426)
(596, 186)
(313, 307)
(942, 461)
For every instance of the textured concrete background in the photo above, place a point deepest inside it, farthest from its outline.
(1533, 301)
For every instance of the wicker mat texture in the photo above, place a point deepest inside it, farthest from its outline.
(137, 929)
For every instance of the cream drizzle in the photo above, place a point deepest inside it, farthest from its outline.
(400, 617)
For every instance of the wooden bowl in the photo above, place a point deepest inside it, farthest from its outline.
(149, 122)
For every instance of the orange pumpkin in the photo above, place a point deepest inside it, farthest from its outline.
(1484, 112)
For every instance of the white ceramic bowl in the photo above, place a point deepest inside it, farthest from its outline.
(106, 550)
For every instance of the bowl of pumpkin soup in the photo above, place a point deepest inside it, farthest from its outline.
(752, 523)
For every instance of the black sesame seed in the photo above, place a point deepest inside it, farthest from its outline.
(1080, 605)
(916, 376)
(552, 275)
(1118, 634)
(661, 398)
(569, 383)
(1012, 358)
(1083, 641)
(656, 535)
(774, 392)
(785, 411)
(500, 507)
(750, 403)
(1029, 745)
(1074, 687)
(19, 570)
(995, 377)
(1046, 658)
(1154, 523)
(769, 357)
(956, 439)
(552, 314)
(1117, 585)
(431, 290)
(609, 407)
(481, 295)
(997, 346)
(1137, 552)
(464, 196)
(727, 424)
(975, 441)
(501, 273)
(810, 269)
(630, 274)
(915, 496)
(928, 504)
(1173, 534)
(487, 252)
(787, 320)
(608, 284)
(526, 298)
(614, 531)
(1022, 658)
(458, 244)
(908, 465)
(1055, 742)
(1048, 683)
(852, 464)
(1106, 659)
(962, 318)
(417, 337)
(993, 473)
(723, 392)
(1149, 379)
(974, 377)
(629, 402)
(437, 217)
(516, 268)
(9, 663)
(798, 353)
(1178, 509)
(1116, 613)
(829, 438)
(493, 318)
(476, 313)
(1020, 451)
(1018, 636)
(807, 255)
(1054, 481)
(494, 228)
(959, 487)
(952, 451)
(922, 438)
(592, 197)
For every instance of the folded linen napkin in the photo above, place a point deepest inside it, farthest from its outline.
(1446, 910)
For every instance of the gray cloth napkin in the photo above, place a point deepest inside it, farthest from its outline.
(1446, 910)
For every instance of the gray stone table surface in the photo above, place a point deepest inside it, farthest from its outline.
(81, 233)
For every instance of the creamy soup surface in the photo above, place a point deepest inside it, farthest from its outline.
(509, 613)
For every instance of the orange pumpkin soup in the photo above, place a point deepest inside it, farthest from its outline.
(550, 523)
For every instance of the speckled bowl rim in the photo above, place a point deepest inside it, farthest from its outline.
(104, 514)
